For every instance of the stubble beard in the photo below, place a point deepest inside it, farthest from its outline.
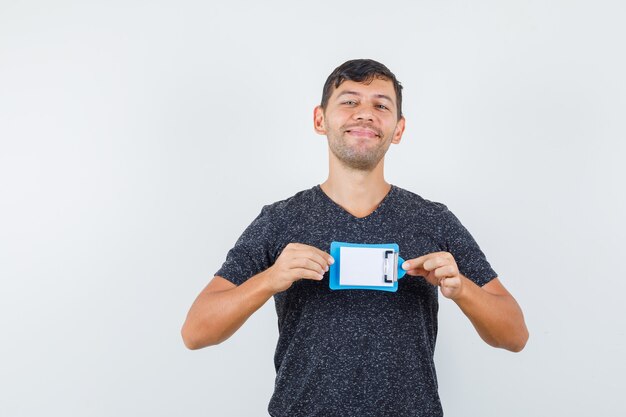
(356, 158)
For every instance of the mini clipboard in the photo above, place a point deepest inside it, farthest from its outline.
(362, 266)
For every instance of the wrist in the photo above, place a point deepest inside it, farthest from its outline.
(263, 281)
(266, 282)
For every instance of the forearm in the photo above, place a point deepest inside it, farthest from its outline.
(498, 319)
(215, 316)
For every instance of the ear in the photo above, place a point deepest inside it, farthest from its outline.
(318, 120)
(397, 134)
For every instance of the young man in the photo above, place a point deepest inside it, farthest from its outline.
(355, 352)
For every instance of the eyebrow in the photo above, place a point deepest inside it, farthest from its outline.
(354, 93)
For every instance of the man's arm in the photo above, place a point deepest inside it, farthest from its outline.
(495, 314)
(222, 307)
(493, 311)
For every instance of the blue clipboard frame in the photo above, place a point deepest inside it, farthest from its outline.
(336, 266)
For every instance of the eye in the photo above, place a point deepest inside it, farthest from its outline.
(382, 107)
(349, 102)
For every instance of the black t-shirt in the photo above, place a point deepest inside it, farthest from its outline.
(355, 353)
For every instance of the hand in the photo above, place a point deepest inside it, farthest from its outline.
(439, 268)
(297, 261)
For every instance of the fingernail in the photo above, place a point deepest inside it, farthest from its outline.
(405, 265)
(331, 260)
(326, 269)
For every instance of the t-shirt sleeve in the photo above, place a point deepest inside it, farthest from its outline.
(469, 257)
(253, 252)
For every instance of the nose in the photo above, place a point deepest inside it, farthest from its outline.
(363, 113)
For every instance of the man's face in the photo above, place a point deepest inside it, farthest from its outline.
(361, 122)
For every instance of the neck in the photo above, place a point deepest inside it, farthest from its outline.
(358, 192)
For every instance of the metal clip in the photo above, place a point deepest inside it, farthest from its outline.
(390, 266)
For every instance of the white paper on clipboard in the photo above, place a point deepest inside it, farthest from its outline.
(363, 266)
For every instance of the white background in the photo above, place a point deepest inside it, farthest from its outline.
(139, 139)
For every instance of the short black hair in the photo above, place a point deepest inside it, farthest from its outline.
(361, 71)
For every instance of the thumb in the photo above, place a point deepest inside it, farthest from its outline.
(415, 267)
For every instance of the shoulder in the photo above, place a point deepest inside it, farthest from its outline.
(418, 204)
(426, 215)
(294, 205)
(430, 217)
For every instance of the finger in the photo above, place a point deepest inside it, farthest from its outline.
(446, 271)
(326, 258)
(323, 258)
(420, 261)
(417, 272)
(450, 287)
(450, 282)
(435, 262)
(432, 280)
(302, 273)
(414, 264)
(307, 263)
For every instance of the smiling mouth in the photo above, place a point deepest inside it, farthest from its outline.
(362, 132)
